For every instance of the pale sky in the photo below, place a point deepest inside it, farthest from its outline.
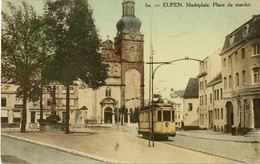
(176, 32)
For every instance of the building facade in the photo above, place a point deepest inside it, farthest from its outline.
(209, 70)
(240, 60)
(191, 105)
(125, 83)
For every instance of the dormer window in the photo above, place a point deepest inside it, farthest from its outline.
(231, 39)
(245, 30)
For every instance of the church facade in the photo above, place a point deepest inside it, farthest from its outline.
(125, 83)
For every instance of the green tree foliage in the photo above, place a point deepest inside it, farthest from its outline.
(76, 45)
(21, 47)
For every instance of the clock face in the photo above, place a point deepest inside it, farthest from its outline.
(132, 34)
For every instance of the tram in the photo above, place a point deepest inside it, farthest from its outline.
(163, 121)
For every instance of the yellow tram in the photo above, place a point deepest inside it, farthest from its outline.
(163, 121)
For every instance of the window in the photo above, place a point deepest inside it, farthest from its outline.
(205, 99)
(3, 101)
(33, 117)
(218, 114)
(224, 62)
(243, 77)
(236, 56)
(243, 53)
(211, 98)
(255, 49)
(237, 79)
(173, 116)
(230, 82)
(108, 92)
(225, 83)
(166, 116)
(215, 113)
(256, 74)
(205, 83)
(222, 113)
(190, 107)
(159, 115)
(202, 100)
(202, 85)
(245, 30)
(221, 93)
(217, 94)
(49, 102)
(230, 60)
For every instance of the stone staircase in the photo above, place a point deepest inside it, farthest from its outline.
(253, 133)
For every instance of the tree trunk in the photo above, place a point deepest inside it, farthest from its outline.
(41, 104)
(24, 114)
(67, 131)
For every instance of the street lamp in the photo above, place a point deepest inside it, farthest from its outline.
(153, 73)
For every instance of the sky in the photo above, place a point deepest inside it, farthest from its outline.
(176, 32)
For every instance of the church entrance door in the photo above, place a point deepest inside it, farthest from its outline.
(108, 115)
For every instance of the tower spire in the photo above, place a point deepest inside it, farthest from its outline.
(128, 8)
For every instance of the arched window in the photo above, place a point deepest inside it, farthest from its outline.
(108, 92)
(237, 79)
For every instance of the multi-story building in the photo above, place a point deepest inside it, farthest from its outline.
(11, 105)
(191, 105)
(208, 71)
(240, 63)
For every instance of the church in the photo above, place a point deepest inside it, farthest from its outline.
(125, 83)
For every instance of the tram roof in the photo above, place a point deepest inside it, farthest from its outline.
(156, 106)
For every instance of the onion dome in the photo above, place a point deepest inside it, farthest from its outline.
(128, 21)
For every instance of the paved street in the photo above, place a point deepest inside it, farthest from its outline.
(241, 151)
(17, 151)
(109, 144)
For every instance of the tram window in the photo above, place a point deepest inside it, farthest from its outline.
(159, 115)
(172, 115)
(166, 116)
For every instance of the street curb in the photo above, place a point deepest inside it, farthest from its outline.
(75, 152)
(219, 139)
(205, 153)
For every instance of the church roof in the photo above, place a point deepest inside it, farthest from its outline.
(128, 23)
(191, 90)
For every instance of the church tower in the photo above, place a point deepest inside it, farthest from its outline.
(129, 47)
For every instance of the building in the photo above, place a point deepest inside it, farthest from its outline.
(124, 86)
(209, 72)
(11, 105)
(191, 105)
(240, 67)
(125, 83)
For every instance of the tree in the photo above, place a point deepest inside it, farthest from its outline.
(20, 50)
(76, 45)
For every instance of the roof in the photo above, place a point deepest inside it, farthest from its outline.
(179, 93)
(216, 79)
(191, 90)
(248, 30)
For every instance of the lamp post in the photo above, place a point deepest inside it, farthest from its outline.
(151, 104)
